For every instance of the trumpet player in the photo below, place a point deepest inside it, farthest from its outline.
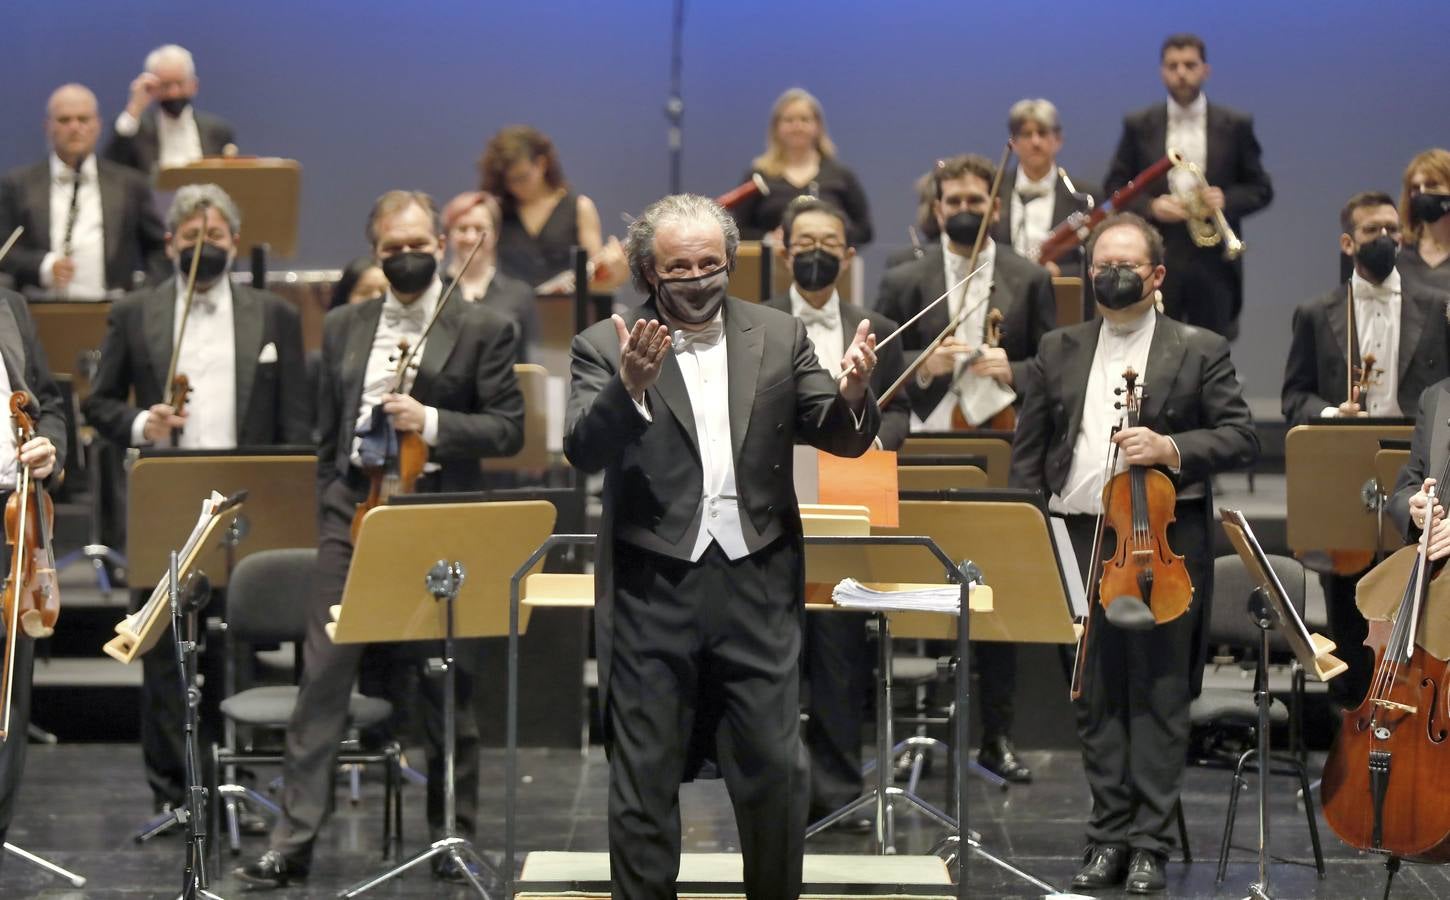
(1203, 287)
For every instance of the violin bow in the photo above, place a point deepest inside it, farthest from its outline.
(412, 351)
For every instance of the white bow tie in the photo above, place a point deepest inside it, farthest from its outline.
(823, 318)
(708, 336)
(396, 315)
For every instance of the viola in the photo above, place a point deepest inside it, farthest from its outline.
(32, 592)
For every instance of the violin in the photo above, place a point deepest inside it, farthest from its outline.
(1385, 780)
(32, 592)
(1144, 583)
(1006, 419)
(177, 384)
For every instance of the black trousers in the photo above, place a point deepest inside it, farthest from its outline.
(1348, 629)
(1201, 287)
(319, 722)
(12, 752)
(1132, 719)
(705, 652)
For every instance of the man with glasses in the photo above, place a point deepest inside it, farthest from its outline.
(1404, 329)
(837, 659)
(691, 404)
(1132, 718)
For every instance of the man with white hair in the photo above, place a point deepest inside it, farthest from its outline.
(1037, 193)
(147, 139)
(89, 223)
(690, 404)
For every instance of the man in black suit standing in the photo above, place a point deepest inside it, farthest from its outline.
(174, 134)
(1202, 287)
(465, 403)
(1403, 328)
(1133, 716)
(23, 368)
(1022, 291)
(1410, 503)
(837, 658)
(242, 354)
(89, 223)
(691, 404)
(1036, 192)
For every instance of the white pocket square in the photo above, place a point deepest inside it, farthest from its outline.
(268, 354)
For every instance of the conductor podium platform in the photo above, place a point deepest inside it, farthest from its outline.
(716, 876)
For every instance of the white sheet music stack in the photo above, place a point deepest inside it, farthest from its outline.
(852, 594)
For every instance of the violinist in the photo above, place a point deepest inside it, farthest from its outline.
(1021, 289)
(1403, 327)
(1132, 717)
(241, 351)
(463, 400)
(24, 369)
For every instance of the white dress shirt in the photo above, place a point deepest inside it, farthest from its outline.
(1377, 324)
(397, 323)
(1118, 348)
(87, 245)
(9, 459)
(702, 361)
(179, 141)
(1188, 134)
(1032, 205)
(823, 327)
(208, 359)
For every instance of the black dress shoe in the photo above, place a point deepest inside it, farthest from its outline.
(1000, 757)
(1104, 866)
(272, 870)
(445, 867)
(1145, 873)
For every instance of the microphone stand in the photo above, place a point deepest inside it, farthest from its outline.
(675, 104)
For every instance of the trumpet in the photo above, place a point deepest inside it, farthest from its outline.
(1207, 227)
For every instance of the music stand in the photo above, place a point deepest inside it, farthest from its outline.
(1270, 608)
(424, 571)
(267, 190)
(1333, 497)
(994, 446)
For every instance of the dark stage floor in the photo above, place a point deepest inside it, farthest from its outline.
(81, 802)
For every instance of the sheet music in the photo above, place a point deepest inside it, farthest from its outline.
(161, 594)
(1067, 563)
(852, 594)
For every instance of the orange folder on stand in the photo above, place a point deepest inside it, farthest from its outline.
(868, 480)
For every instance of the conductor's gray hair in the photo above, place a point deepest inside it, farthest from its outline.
(171, 53)
(189, 201)
(672, 210)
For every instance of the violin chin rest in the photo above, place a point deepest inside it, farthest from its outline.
(33, 626)
(1130, 614)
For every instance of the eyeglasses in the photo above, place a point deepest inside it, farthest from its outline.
(1095, 268)
(806, 245)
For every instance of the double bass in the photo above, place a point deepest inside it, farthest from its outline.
(32, 592)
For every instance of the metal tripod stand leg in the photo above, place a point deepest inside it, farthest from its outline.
(47, 865)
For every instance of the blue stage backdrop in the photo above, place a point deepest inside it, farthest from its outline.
(370, 96)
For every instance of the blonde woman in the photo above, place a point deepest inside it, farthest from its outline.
(1425, 213)
(800, 160)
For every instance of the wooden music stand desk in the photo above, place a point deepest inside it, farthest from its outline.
(267, 190)
(1330, 470)
(994, 446)
(67, 329)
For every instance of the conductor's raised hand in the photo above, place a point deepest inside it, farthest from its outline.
(641, 353)
(858, 363)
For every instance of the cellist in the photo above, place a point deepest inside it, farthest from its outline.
(1428, 446)
(464, 401)
(1132, 716)
(24, 369)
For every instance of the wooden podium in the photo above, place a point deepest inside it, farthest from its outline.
(267, 190)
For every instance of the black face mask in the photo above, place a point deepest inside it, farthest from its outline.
(694, 300)
(1117, 287)
(174, 106)
(213, 263)
(1429, 208)
(1378, 257)
(962, 227)
(816, 269)
(411, 271)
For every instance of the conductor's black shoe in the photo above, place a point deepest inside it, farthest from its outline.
(1000, 757)
(272, 870)
(1104, 866)
(446, 868)
(1145, 873)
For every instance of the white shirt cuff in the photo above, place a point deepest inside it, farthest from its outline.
(138, 429)
(127, 125)
(1329, 412)
(1178, 469)
(643, 408)
(47, 269)
(430, 426)
(860, 417)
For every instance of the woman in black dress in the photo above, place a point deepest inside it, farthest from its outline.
(800, 160)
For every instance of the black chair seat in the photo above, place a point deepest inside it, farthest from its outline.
(272, 707)
(1217, 705)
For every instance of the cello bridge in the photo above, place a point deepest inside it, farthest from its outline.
(1398, 707)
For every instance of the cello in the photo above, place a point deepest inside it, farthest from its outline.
(32, 593)
(1388, 772)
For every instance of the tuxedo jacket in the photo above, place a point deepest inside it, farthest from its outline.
(466, 373)
(26, 366)
(1316, 373)
(896, 417)
(134, 237)
(1429, 445)
(272, 402)
(778, 395)
(1191, 394)
(1064, 204)
(1021, 289)
(142, 150)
